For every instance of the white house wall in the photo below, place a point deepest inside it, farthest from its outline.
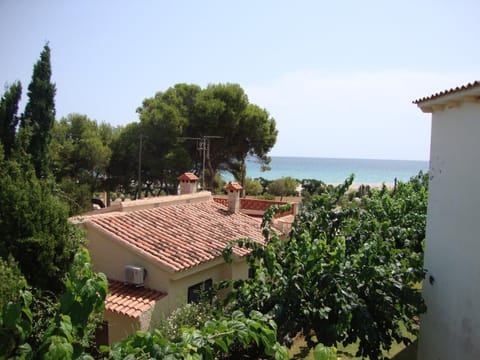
(451, 327)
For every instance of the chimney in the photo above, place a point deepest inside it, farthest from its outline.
(188, 183)
(233, 189)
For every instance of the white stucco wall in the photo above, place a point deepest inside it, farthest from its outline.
(451, 327)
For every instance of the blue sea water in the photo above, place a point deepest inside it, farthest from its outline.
(337, 170)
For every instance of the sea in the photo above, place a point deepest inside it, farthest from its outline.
(332, 171)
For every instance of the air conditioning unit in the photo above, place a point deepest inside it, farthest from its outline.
(135, 275)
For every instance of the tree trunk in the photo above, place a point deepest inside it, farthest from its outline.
(243, 174)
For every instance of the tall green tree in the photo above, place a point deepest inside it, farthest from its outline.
(80, 153)
(163, 154)
(39, 115)
(162, 127)
(34, 226)
(8, 116)
(243, 129)
(222, 111)
(123, 166)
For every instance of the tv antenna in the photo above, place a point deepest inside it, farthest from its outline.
(203, 145)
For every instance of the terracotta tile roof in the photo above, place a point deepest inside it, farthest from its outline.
(247, 204)
(448, 92)
(234, 186)
(181, 236)
(188, 177)
(129, 300)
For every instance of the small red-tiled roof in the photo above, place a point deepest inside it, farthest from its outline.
(448, 92)
(234, 186)
(181, 236)
(188, 176)
(129, 300)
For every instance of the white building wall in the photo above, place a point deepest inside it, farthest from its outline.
(451, 327)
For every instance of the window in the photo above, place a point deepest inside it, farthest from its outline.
(195, 291)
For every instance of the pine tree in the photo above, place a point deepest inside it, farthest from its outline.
(8, 116)
(39, 113)
(34, 225)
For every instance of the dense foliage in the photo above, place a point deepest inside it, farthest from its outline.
(11, 280)
(347, 272)
(225, 337)
(8, 116)
(69, 331)
(190, 315)
(39, 114)
(171, 130)
(285, 186)
(33, 225)
(80, 153)
(252, 187)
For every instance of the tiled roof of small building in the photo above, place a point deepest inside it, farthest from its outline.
(448, 92)
(129, 300)
(234, 186)
(181, 236)
(188, 177)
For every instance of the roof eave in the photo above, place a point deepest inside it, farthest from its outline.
(449, 99)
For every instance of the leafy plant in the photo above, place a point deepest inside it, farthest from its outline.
(34, 225)
(77, 316)
(347, 271)
(15, 327)
(191, 315)
(322, 352)
(11, 280)
(220, 338)
(253, 187)
(70, 330)
(285, 186)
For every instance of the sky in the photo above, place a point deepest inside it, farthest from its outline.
(338, 77)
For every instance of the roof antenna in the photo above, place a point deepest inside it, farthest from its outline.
(203, 145)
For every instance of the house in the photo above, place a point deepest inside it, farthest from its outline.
(158, 253)
(451, 327)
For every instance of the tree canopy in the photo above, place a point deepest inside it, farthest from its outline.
(8, 116)
(285, 186)
(233, 129)
(33, 225)
(39, 114)
(347, 272)
(80, 154)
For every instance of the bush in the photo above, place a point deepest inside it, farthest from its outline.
(34, 226)
(253, 187)
(347, 273)
(285, 186)
(11, 281)
(187, 316)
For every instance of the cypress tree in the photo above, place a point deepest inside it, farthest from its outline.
(8, 116)
(39, 113)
